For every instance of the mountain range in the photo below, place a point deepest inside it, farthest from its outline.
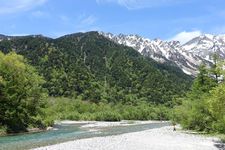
(91, 67)
(186, 56)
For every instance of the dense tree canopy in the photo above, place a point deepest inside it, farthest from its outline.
(91, 71)
(91, 67)
(21, 93)
(203, 107)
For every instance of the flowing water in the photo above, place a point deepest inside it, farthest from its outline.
(67, 132)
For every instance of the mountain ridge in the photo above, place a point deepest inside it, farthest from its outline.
(91, 67)
(187, 56)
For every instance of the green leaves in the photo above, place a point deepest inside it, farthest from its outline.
(204, 82)
(21, 92)
(73, 109)
(87, 67)
(203, 107)
(215, 103)
(91, 67)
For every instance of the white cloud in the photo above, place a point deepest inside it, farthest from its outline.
(89, 20)
(64, 19)
(80, 23)
(139, 4)
(86, 23)
(184, 36)
(14, 6)
(39, 14)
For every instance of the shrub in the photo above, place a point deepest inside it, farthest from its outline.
(3, 130)
(219, 126)
(72, 116)
(108, 116)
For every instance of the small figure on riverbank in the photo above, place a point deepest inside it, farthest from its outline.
(174, 126)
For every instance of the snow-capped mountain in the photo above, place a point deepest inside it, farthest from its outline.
(188, 56)
(207, 45)
(2, 37)
(5, 37)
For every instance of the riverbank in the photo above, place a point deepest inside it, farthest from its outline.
(3, 132)
(67, 130)
(154, 139)
(92, 124)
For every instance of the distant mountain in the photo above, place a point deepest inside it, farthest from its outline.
(6, 37)
(91, 67)
(206, 45)
(188, 56)
(2, 37)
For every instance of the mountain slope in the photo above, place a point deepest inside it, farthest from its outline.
(92, 67)
(187, 57)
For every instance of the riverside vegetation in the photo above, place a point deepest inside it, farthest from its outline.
(88, 77)
(202, 108)
(82, 77)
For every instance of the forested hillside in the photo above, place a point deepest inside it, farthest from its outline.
(102, 80)
(93, 68)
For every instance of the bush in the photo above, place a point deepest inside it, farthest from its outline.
(65, 108)
(108, 116)
(87, 116)
(219, 126)
(3, 130)
(72, 116)
(193, 115)
(21, 94)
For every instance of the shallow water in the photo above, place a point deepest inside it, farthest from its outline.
(67, 133)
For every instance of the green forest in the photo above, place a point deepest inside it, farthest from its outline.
(85, 76)
(202, 109)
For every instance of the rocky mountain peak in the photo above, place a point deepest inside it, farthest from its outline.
(187, 56)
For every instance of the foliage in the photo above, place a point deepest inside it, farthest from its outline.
(93, 68)
(21, 94)
(216, 103)
(73, 109)
(102, 80)
(203, 107)
(3, 130)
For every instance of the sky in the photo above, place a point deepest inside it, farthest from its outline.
(165, 19)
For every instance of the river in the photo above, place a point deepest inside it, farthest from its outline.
(68, 132)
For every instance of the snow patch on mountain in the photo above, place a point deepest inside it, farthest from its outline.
(187, 56)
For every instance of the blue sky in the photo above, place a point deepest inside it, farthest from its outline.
(165, 19)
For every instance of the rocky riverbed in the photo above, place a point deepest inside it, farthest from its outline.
(152, 139)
